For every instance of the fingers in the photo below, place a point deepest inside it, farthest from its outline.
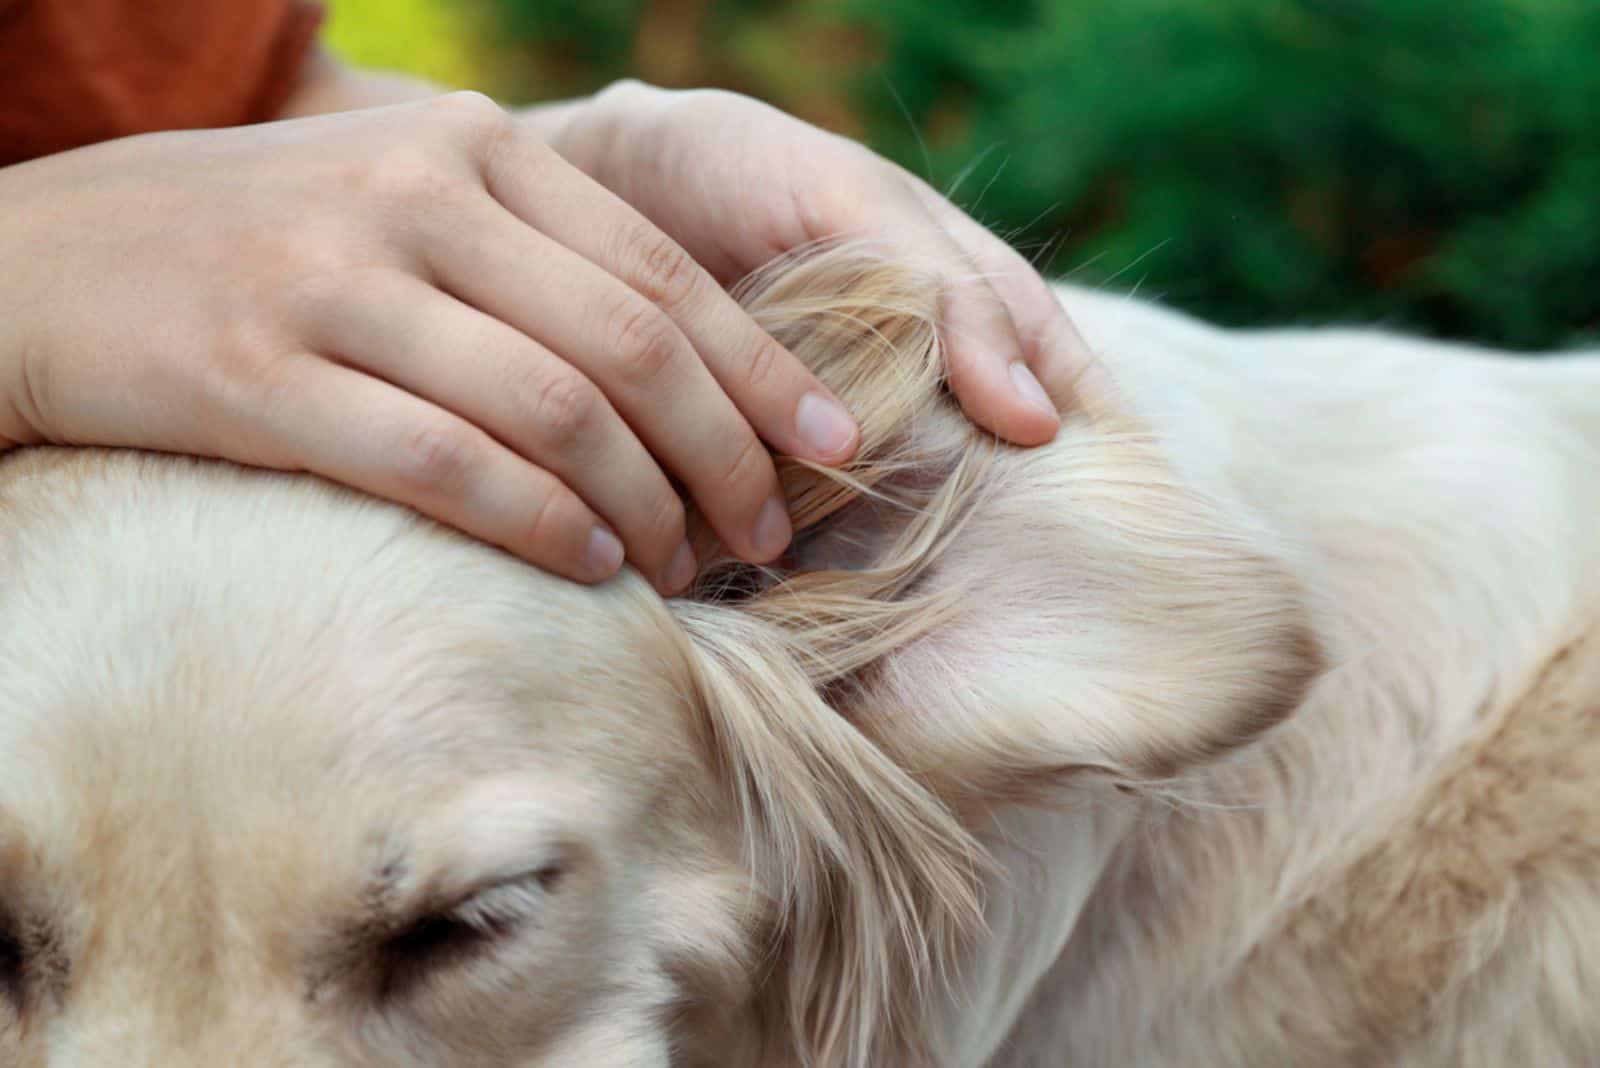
(376, 437)
(1051, 347)
(784, 402)
(988, 372)
(404, 331)
(984, 359)
(634, 353)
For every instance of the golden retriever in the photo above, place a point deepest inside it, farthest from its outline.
(1255, 721)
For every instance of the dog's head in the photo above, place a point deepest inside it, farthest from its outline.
(290, 777)
(294, 779)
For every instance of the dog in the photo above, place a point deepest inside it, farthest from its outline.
(1253, 721)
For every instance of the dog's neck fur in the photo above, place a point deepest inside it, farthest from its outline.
(1361, 461)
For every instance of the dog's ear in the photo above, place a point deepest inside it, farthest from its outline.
(1100, 621)
(865, 723)
(999, 620)
(958, 626)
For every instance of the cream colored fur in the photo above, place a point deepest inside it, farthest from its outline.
(1255, 721)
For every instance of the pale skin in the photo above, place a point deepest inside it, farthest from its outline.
(512, 322)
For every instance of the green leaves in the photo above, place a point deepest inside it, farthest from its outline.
(1433, 164)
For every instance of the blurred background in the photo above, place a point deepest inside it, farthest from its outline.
(1430, 165)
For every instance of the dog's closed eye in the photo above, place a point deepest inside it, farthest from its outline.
(470, 929)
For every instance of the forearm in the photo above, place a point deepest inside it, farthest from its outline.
(327, 85)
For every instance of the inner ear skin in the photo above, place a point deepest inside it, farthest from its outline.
(1015, 699)
(33, 962)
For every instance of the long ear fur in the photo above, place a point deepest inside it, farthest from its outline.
(873, 881)
(959, 625)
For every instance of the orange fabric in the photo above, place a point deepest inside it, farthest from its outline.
(73, 72)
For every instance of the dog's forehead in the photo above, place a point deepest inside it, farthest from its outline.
(178, 636)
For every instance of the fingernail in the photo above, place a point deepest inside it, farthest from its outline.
(680, 571)
(824, 425)
(603, 555)
(772, 532)
(1029, 389)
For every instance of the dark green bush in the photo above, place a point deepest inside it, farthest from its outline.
(1426, 164)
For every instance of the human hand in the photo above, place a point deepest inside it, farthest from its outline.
(736, 183)
(425, 302)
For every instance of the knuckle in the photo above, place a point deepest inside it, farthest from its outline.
(409, 177)
(748, 462)
(437, 459)
(543, 528)
(323, 288)
(625, 88)
(481, 122)
(470, 110)
(270, 381)
(659, 267)
(644, 342)
(711, 96)
(253, 374)
(767, 366)
(667, 523)
(564, 407)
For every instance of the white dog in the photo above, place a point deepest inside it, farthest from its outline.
(1256, 721)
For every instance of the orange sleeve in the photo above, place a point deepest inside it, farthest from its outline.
(73, 72)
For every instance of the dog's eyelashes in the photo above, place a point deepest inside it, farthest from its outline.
(427, 946)
(470, 930)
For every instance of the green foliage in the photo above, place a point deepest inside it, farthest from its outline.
(1432, 164)
(1427, 163)
(588, 35)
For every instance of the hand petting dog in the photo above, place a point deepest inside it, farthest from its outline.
(515, 324)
